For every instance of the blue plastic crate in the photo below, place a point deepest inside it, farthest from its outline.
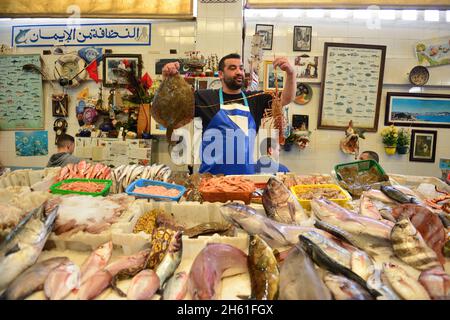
(146, 183)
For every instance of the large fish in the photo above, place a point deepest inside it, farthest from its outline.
(32, 279)
(171, 260)
(176, 287)
(299, 279)
(208, 267)
(436, 282)
(23, 245)
(263, 268)
(281, 205)
(274, 233)
(345, 289)
(404, 285)
(143, 285)
(96, 261)
(397, 195)
(62, 280)
(377, 281)
(173, 104)
(410, 247)
(371, 233)
(324, 261)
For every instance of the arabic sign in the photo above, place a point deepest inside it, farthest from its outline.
(131, 34)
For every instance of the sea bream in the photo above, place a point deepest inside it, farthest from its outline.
(404, 284)
(299, 279)
(436, 282)
(96, 261)
(23, 245)
(263, 269)
(378, 281)
(32, 279)
(143, 285)
(409, 245)
(209, 267)
(281, 205)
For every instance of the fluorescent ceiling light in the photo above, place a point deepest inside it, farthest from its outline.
(409, 15)
(268, 13)
(292, 13)
(387, 14)
(361, 14)
(431, 15)
(315, 13)
(339, 14)
(448, 16)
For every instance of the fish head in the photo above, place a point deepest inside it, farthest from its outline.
(256, 245)
(236, 213)
(104, 251)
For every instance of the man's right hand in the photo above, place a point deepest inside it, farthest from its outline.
(170, 69)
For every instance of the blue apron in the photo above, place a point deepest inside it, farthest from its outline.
(242, 149)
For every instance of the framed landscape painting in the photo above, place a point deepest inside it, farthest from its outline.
(418, 109)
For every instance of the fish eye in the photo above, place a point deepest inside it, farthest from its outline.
(253, 242)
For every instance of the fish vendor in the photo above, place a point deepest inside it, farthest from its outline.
(231, 116)
(66, 146)
(367, 155)
(268, 163)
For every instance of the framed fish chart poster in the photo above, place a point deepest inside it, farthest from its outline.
(21, 106)
(351, 86)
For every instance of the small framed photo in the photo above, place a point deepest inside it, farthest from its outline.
(116, 68)
(266, 31)
(302, 38)
(60, 104)
(272, 81)
(423, 145)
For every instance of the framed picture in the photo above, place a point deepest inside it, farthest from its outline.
(116, 68)
(307, 68)
(352, 80)
(302, 38)
(434, 52)
(273, 81)
(423, 145)
(60, 104)
(418, 109)
(266, 31)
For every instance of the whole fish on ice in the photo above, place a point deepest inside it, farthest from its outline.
(176, 287)
(345, 289)
(436, 282)
(404, 284)
(143, 285)
(96, 261)
(62, 280)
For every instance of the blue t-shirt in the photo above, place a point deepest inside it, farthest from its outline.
(268, 165)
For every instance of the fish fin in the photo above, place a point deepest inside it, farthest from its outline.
(14, 249)
(244, 297)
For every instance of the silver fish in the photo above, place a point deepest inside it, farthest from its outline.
(176, 287)
(24, 244)
(32, 279)
(377, 282)
(345, 289)
(280, 204)
(299, 279)
(404, 285)
(409, 245)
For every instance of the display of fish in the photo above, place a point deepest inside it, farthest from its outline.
(124, 175)
(368, 209)
(171, 260)
(428, 224)
(173, 104)
(436, 282)
(143, 285)
(406, 286)
(379, 196)
(345, 289)
(274, 233)
(280, 204)
(32, 279)
(263, 269)
(176, 287)
(377, 282)
(397, 195)
(209, 266)
(324, 261)
(62, 280)
(410, 247)
(84, 170)
(96, 261)
(299, 279)
(208, 228)
(23, 245)
(372, 234)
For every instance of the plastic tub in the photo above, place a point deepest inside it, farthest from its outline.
(55, 188)
(146, 183)
(306, 204)
(363, 165)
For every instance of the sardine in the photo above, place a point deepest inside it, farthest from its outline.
(274, 233)
(377, 282)
(281, 205)
(143, 285)
(96, 261)
(324, 261)
(176, 287)
(397, 195)
(345, 289)
(62, 280)
(32, 279)
(23, 245)
(209, 265)
(410, 247)
(263, 268)
(299, 279)
(436, 282)
(404, 285)
(171, 260)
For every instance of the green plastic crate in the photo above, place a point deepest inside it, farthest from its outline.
(55, 188)
(363, 165)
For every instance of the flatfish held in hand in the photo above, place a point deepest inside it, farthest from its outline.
(173, 105)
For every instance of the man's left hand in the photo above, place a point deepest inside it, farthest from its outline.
(283, 64)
